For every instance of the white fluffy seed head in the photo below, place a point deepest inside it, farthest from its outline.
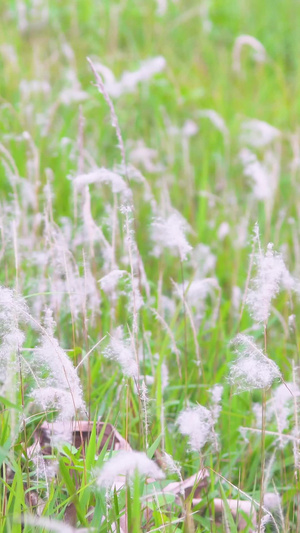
(263, 184)
(63, 388)
(12, 310)
(259, 53)
(171, 465)
(170, 233)
(126, 464)
(120, 349)
(57, 399)
(109, 282)
(281, 407)
(252, 369)
(197, 424)
(257, 133)
(130, 80)
(271, 276)
(216, 398)
(102, 176)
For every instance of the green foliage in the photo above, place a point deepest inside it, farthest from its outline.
(198, 76)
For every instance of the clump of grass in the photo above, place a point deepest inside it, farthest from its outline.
(125, 271)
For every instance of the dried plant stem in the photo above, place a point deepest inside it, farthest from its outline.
(247, 283)
(185, 333)
(263, 441)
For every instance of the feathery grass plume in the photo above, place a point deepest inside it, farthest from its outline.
(281, 408)
(203, 260)
(72, 96)
(271, 276)
(130, 80)
(63, 387)
(257, 133)
(120, 350)
(170, 233)
(262, 184)
(196, 423)
(196, 294)
(105, 177)
(136, 176)
(109, 282)
(140, 154)
(223, 230)
(252, 369)
(12, 310)
(136, 267)
(143, 393)
(126, 463)
(217, 121)
(259, 54)
(216, 399)
(57, 399)
(171, 465)
(50, 524)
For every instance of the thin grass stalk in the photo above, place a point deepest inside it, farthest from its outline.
(185, 333)
(263, 440)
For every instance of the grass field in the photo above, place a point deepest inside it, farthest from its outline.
(150, 152)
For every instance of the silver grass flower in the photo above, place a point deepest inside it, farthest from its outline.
(196, 423)
(259, 52)
(120, 350)
(129, 80)
(63, 387)
(170, 233)
(271, 276)
(12, 310)
(252, 369)
(257, 133)
(126, 464)
(102, 176)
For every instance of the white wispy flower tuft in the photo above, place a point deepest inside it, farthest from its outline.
(120, 349)
(259, 54)
(104, 176)
(280, 407)
(109, 282)
(292, 321)
(197, 424)
(216, 397)
(72, 95)
(189, 128)
(271, 276)
(257, 133)
(196, 294)
(140, 154)
(263, 185)
(63, 384)
(30, 88)
(57, 399)
(130, 80)
(171, 465)
(56, 526)
(170, 233)
(164, 376)
(217, 121)
(223, 230)
(12, 310)
(252, 369)
(126, 463)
